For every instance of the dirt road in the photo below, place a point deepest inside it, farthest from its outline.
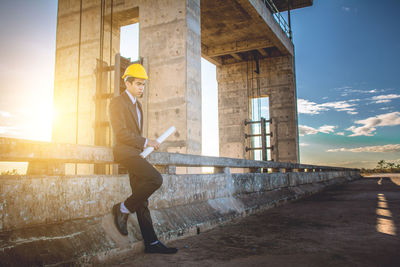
(356, 224)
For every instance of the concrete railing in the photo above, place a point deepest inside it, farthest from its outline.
(66, 218)
(12, 149)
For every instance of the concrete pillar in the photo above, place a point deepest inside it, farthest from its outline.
(171, 46)
(170, 41)
(233, 106)
(277, 81)
(72, 97)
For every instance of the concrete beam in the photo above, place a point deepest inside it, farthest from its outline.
(282, 5)
(214, 60)
(237, 56)
(262, 52)
(259, 11)
(237, 47)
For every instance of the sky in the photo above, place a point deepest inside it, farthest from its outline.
(347, 74)
(348, 85)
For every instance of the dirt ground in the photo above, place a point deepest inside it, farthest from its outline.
(356, 224)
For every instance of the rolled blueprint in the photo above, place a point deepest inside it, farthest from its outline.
(160, 139)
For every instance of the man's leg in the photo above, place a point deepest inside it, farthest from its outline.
(144, 217)
(146, 180)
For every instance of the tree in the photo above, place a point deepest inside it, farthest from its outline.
(390, 165)
(13, 172)
(381, 164)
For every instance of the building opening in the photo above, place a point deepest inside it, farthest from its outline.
(129, 41)
(209, 110)
(260, 109)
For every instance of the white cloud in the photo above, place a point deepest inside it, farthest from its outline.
(391, 96)
(347, 9)
(369, 125)
(304, 144)
(308, 107)
(349, 90)
(383, 101)
(327, 129)
(340, 106)
(340, 133)
(374, 149)
(384, 98)
(307, 130)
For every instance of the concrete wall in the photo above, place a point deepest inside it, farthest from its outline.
(49, 220)
(277, 81)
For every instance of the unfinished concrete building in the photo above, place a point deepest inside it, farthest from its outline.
(253, 53)
(48, 218)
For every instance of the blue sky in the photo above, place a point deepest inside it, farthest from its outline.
(348, 85)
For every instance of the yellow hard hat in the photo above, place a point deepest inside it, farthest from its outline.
(136, 71)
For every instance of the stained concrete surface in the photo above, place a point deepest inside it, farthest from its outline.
(343, 226)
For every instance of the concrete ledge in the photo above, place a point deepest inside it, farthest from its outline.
(31, 200)
(207, 201)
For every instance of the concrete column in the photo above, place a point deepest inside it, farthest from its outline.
(170, 41)
(277, 81)
(68, 49)
(233, 103)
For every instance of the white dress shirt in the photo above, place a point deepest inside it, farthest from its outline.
(133, 99)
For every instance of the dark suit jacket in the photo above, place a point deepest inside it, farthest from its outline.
(124, 122)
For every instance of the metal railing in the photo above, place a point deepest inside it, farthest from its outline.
(279, 18)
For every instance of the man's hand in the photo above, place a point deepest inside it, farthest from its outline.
(153, 143)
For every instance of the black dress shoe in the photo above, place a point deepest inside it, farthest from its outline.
(120, 219)
(159, 248)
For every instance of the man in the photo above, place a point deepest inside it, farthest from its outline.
(127, 123)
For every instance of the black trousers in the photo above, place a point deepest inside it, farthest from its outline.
(144, 180)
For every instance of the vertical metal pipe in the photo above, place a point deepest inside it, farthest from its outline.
(111, 33)
(263, 139)
(78, 80)
(289, 2)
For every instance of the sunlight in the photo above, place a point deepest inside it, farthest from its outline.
(395, 180)
(384, 222)
(41, 123)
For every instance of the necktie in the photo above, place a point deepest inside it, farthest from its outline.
(138, 115)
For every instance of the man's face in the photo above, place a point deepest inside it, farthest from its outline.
(136, 87)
